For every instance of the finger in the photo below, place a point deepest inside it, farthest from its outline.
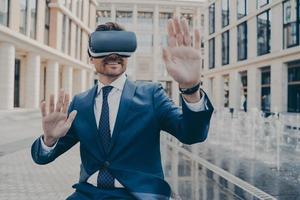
(166, 56)
(66, 103)
(71, 118)
(60, 101)
(177, 26)
(51, 107)
(43, 108)
(178, 31)
(186, 33)
(171, 34)
(197, 39)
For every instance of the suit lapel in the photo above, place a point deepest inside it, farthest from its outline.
(125, 102)
(88, 108)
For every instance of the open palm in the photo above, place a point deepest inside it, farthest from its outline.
(56, 123)
(183, 61)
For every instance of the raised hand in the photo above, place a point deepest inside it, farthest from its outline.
(183, 62)
(56, 123)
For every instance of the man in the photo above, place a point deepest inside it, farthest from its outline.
(118, 122)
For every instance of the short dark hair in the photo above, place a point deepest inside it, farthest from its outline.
(110, 26)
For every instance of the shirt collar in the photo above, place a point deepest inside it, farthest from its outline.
(118, 83)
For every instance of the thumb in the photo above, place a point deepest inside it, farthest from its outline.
(71, 117)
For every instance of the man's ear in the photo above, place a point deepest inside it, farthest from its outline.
(92, 60)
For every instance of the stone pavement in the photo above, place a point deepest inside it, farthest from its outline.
(20, 177)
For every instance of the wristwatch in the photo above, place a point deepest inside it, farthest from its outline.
(190, 91)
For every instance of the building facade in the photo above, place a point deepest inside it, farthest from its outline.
(253, 55)
(43, 47)
(148, 19)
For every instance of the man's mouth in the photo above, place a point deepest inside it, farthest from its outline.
(112, 63)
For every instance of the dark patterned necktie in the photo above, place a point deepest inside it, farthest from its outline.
(105, 179)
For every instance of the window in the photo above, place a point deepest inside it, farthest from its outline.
(33, 15)
(211, 59)
(189, 18)
(225, 13)
(212, 18)
(4, 12)
(263, 33)
(103, 16)
(242, 41)
(23, 16)
(163, 20)
(294, 87)
(225, 48)
(47, 22)
(265, 95)
(290, 23)
(244, 90)
(167, 85)
(261, 3)
(241, 8)
(145, 21)
(145, 43)
(226, 90)
(125, 18)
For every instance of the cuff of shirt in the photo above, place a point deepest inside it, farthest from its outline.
(198, 106)
(45, 148)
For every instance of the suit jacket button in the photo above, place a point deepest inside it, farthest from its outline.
(106, 164)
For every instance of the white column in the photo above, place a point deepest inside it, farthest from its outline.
(234, 90)
(32, 81)
(252, 40)
(253, 88)
(7, 70)
(276, 29)
(52, 80)
(278, 87)
(134, 63)
(80, 80)
(219, 92)
(68, 79)
(156, 49)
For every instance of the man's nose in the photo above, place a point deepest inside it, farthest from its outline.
(113, 56)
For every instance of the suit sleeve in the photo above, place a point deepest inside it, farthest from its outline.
(187, 126)
(40, 156)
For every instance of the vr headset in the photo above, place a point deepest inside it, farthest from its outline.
(104, 43)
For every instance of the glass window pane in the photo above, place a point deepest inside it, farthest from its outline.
(145, 43)
(211, 61)
(23, 16)
(33, 15)
(163, 20)
(125, 19)
(103, 16)
(225, 13)
(4, 13)
(294, 88)
(290, 24)
(212, 18)
(263, 33)
(242, 41)
(145, 21)
(261, 3)
(225, 48)
(241, 8)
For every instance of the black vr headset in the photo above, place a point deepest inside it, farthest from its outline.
(104, 43)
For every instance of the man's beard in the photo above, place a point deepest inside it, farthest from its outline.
(114, 59)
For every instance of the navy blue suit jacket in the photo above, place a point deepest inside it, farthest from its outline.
(134, 158)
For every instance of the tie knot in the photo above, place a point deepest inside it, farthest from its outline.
(106, 90)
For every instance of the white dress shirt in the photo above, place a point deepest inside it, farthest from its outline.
(113, 102)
